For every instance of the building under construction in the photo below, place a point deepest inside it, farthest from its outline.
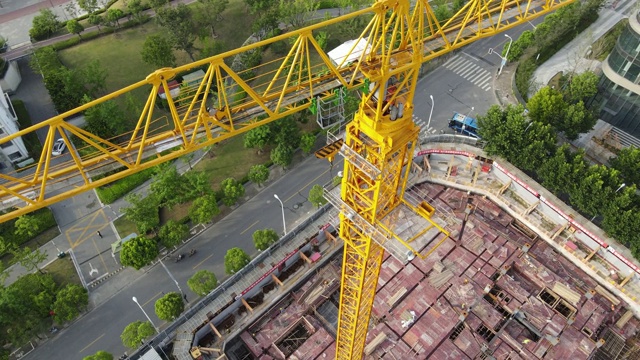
(493, 289)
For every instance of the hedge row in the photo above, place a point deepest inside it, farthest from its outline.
(45, 220)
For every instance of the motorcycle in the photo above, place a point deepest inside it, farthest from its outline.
(179, 257)
(192, 252)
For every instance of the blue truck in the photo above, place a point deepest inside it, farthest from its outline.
(464, 125)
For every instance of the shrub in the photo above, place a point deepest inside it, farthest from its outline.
(117, 189)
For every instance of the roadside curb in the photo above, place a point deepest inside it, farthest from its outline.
(104, 278)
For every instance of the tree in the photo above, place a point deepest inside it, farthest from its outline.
(170, 306)
(282, 155)
(167, 186)
(210, 13)
(135, 333)
(177, 21)
(74, 27)
(172, 233)
(27, 226)
(258, 138)
(143, 212)
(138, 252)
(306, 142)
(595, 189)
(202, 282)
(316, 196)
(262, 239)
(235, 259)
(204, 209)
(581, 87)
(65, 86)
(628, 164)
(70, 300)
(96, 20)
(559, 170)
(30, 259)
(100, 355)
(546, 106)
(196, 184)
(136, 9)
(157, 51)
(508, 133)
(259, 174)
(576, 120)
(296, 13)
(25, 307)
(90, 6)
(232, 190)
(44, 25)
(519, 46)
(105, 120)
(113, 16)
(95, 77)
(286, 132)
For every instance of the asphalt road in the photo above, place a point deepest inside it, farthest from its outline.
(463, 82)
(101, 328)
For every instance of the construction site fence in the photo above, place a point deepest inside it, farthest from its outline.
(451, 139)
(165, 336)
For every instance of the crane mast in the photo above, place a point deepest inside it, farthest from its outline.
(378, 144)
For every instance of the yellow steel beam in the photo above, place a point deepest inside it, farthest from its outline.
(306, 72)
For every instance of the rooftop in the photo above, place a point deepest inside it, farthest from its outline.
(494, 289)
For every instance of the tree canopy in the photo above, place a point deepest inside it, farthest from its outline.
(177, 21)
(316, 196)
(203, 209)
(235, 259)
(70, 300)
(143, 212)
(510, 134)
(44, 24)
(158, 51)
(628, 164)
(170, 306)
(202, 282)
(262, 239)
(232, 191)
(172, 233)
(99, 355)
(138, 252)
(259, 174)
(135, 333)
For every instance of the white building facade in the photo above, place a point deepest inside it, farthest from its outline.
(12, 151)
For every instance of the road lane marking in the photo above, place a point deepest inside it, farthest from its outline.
(249, 227)
(106, 269)
(150, 300)
(91, 343)
(201, 262)
(309, 183)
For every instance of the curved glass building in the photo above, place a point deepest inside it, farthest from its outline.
(618, 98)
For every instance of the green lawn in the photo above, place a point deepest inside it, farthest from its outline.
(124, 226)
(63, 272)
(230, 159)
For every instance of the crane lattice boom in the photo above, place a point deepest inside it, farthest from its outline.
(226, 102)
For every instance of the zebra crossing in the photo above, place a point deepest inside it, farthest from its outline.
(423, 126)
(470, 71)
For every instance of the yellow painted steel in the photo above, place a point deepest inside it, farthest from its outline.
(228, 101)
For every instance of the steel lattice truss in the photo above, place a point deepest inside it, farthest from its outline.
(274, 90)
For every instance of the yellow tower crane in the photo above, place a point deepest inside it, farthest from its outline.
(228, 101)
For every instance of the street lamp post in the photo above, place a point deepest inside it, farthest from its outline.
(135, 300)
(430, 112)
(174, 280)
(621, 186)
(504, 59)
(284, 224)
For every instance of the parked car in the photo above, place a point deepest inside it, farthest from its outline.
(58, 147)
